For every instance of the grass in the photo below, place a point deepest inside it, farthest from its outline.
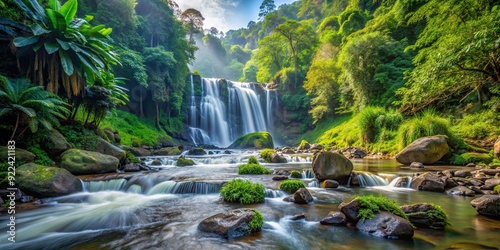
(372, 204)
(478, 126)
(243, 191)
(465, 158)
(266, 154)
(256, 222)
(135, 131)
(291, 186)
(253, 167)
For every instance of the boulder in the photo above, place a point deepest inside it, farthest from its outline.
(288, 151)
(230, 224)
(461, 190)
(335, 219)
(331, 166)
(55, 143)
(417, 165)
(182, 162)
(79, 161)
(402, 182)
(46, 181)
(329, 184)
(257, 140)
(425, 215)
(462, 173)
(387, 225)
(492, 182)
(107, 148)
(302, 196)
(316, 146)
(298, 217)
(277, 158)
(350, 209)
(429, 181)
(353, 153)
(139, 151)
(172, 151)
(490, 171)
(197, 151)
(156, 163)
(132, 167)
(280, 177)
(21, 155)
(496, 149)
(289, 198)
(427, 150)
(488, 205)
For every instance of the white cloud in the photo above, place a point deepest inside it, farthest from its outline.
(216, 13)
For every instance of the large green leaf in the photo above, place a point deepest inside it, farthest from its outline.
(54, 4)
(66, 62)
(68, 10)
(64, 44)
(51, 47)
(25, 41)
(58, 21)
(39, 30)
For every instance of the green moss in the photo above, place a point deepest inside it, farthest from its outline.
(182, 162)
(243, 191)
(253, 167)
(437, 215)
(254, 140)
(291, 186)
(373, 204)
(42, 157)
(256, 222)
(266, 154)
(303, 144)
(466, 158)
(295, 174)
(80, 137)
(253, 160)
(131, 157)
(496, 189)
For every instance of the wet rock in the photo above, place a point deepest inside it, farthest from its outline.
(182, 162)
(107, 148)
(298, 217)
(402, 182)
(350, 209)
(156, 163)
(426, 150)
(197, 151)
(288, 151)
(316, 146)
(354, 179)
(230, 224)
(45, 181)
(425, 215)
(289, 198)
(448, 173)
(386, 225)
(463, 173)
(476, 182)
(132, 167)
(174, 151)
(139, 151)
(280, 177)
(21, 155)
(304, 146)
(429, 181)
(329, 184)
(490, 171)
(488, 205)
(353, 153)
(416, 165)
(492, 182)
(471, 165)
(79, 161)
(331, 166)
(450, 183)
(277, 158)
(302, 196)
(335, 219)
(477, 190)
(461, 190)
(54, 143)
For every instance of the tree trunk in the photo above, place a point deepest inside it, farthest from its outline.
(15, 127)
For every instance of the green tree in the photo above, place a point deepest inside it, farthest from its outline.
(194, 21)
(29, 106)
(266, 7)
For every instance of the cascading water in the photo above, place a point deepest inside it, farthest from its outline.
(225, 111)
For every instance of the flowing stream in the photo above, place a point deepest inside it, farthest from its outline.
(161, 210)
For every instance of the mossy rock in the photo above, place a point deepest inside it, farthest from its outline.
(233, 223)
(182, 162)
(107, 148)
(167, 151)
(79, 161)
(55, 143)
(257, 140)
(197, 151)
(21, 155)
(45, 181)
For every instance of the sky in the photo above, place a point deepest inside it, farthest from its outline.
(227, 14)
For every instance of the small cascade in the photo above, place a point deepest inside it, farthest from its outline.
(298, 158)
(313, 183)
(370, 180)
(135, 189)
(271, 193)
(401, 182)
(111, 185)
(172, 187)
(308, 174)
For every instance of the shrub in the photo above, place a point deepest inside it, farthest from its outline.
(42, 157)
(295, 174)
(253, 160)
(243, 191)
(266, 154)
(367, 123)
(372, 204)
(291, 186)
(256, 222)
(253, 169)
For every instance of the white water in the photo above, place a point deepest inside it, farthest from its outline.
(212, 122)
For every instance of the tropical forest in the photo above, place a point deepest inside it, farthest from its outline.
(266, 124)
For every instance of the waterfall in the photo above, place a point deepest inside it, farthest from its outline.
(96, 186)
(369, 180)
(271, 193)
(402, 182)
(172, 187)
(226, 111)
(308, 174)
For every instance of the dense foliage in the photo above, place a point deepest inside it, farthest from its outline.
(243, 191)
(291, 186)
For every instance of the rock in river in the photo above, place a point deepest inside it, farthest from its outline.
(331, 166)
(488, 205)
(79, 161)
(426, 150)
(302, 196)
(230, 224)
(425, 215)
(387, 225)
(46, 181)
(429, 181)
